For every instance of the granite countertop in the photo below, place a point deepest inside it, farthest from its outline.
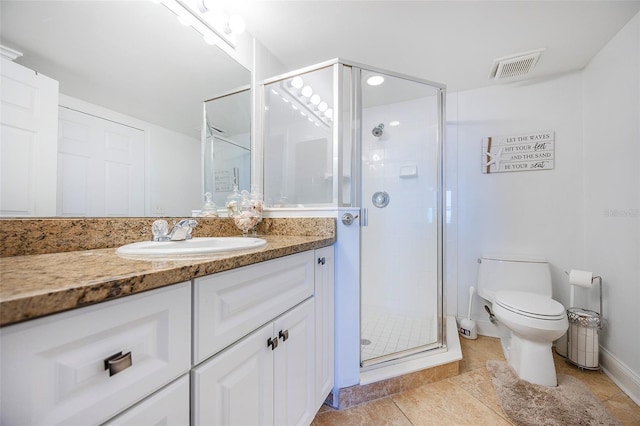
(37, 285)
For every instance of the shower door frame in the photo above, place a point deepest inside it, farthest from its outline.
(356, 195)
(347, 128)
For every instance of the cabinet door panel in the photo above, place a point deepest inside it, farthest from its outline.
(236, 386)
(325, 334)
(53, 368)
(294, 372)
(231, 304)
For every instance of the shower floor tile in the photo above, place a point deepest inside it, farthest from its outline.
(383, 333)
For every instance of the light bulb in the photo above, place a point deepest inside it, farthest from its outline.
(236, 24)
(297, 82)
(329, 113)
(322, 106)
(375, 80)
(315, 99)
(394, 123)
(307, 91)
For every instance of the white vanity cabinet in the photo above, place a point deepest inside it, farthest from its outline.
(248, 346)
(56, 369)
(276, 371)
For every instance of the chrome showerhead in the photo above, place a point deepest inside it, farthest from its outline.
(377, 131)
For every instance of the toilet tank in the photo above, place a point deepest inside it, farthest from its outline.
(515, 273)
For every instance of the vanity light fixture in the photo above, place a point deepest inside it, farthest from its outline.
(209, 20)
(235, 24)
(308, 103)
(375, 80)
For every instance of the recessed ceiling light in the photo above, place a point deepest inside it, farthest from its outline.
(375, 80)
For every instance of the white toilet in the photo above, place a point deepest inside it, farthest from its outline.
(520, 291)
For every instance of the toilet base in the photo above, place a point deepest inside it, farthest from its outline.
(532, 361)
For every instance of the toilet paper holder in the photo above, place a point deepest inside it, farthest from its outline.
(584, 326)
(579, 278)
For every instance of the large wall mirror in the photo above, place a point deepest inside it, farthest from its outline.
(131, 65)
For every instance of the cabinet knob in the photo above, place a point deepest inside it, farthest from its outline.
(118, 362)
(273, 343)
(284, 335)
(321, 260)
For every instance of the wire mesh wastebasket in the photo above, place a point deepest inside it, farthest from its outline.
(582, 338)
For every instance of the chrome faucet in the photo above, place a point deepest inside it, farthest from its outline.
(181, 231)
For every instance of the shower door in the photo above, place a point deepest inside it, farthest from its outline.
(401, 290)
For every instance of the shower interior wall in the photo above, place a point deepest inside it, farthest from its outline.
(403, 146)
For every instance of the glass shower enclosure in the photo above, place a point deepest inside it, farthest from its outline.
(341, 135)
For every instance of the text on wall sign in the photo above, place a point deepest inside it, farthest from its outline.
(517, 153)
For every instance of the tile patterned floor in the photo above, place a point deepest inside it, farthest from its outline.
(468, 399)
(384, 333)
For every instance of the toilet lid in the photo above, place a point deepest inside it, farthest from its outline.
(530, 304)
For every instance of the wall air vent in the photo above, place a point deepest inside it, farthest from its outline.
(514, 65)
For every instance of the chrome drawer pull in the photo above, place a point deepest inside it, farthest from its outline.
(284, 335)
(118, 362)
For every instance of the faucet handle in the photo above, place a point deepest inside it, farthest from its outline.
(160, 230)
(191, 223)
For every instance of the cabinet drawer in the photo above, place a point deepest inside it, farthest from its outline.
(231, 304)
(53, 368)
(169, 406)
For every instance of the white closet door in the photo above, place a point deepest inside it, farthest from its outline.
(100, 167)
(28, 142)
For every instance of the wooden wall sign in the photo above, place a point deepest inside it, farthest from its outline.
(517, 153)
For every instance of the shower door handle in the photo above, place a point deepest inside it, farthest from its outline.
(365, 217)
(348, 218)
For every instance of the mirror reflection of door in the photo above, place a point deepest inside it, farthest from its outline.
(100, 167)
(27, 143)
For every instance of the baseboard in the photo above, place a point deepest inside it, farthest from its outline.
(620, 374)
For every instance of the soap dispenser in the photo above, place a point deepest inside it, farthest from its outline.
(209, 208)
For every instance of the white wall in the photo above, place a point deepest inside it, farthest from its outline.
(175, 177)
(583, 214)
(530, 212)
(611, 91)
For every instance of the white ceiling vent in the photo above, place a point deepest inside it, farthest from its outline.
(515, 65)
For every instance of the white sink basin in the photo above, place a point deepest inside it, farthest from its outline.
(194, 246)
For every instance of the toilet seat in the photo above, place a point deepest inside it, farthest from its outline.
(531, 305)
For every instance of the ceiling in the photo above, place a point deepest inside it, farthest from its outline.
(450, 42)
(152, 68)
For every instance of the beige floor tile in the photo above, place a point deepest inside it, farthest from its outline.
(478, 384)
(444, 403)
(599, 383)
(381, 412)
(624, 409)
(476, 353)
